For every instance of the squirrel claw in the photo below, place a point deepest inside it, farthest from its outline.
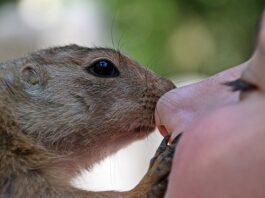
(160, 167)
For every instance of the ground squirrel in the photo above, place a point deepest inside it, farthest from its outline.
(63, 109)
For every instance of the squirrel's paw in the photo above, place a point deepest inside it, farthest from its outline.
(160, 167)
(154, 183)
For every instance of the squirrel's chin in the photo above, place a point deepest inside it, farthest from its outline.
(144, 129)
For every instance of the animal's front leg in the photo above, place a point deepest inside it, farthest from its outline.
(42, 183)
(154, 183)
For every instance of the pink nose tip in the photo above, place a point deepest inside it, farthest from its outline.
(163, 130)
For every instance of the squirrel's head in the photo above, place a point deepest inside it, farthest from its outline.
(73, 99)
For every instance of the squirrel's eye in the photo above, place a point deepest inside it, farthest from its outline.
(103, 68)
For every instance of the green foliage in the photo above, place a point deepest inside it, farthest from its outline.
(180, 36)
(6, 1)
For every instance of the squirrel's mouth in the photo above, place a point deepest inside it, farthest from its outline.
(144, 129)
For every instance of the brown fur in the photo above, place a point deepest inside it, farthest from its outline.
(55, 118)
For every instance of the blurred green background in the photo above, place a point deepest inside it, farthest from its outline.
(182, 36)
(172, 37)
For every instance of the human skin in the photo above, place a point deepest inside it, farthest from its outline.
(221, 152)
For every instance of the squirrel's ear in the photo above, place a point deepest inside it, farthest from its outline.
(33, 77)
(30, 75)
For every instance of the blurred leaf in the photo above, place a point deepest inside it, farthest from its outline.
(6, 1)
